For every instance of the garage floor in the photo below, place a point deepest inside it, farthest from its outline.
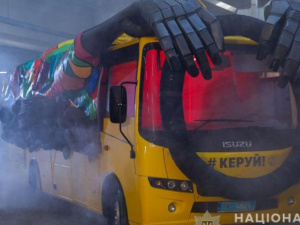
(46, 217)
(19, 205)
(27, 208)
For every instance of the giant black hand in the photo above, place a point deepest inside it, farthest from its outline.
(183, 27)
(281, 34)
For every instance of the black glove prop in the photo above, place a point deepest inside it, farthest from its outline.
(281, 34)
(183, 27)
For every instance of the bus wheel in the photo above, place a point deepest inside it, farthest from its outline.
(119, 214)
(34, 176)
(115, 206)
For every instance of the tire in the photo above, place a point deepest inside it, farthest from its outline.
(115, 206)
(34, 176)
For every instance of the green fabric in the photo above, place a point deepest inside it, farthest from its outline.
(54, 62)
(75, 60)
(58, 51)
(83, 100)
(68, 69)
(28, 64)
(25, 87)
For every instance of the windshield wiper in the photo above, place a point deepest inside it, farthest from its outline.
(221, 120)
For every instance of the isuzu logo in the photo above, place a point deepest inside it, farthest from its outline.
(236, 144)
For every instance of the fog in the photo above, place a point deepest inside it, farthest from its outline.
(27, 28)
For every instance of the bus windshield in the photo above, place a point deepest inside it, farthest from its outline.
(242, 93)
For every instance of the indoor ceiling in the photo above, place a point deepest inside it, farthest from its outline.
(28, 27)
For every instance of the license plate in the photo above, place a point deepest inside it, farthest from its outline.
(242, 206)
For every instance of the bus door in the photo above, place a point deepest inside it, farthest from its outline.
(115, 157)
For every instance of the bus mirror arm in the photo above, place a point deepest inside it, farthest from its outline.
(132, 153)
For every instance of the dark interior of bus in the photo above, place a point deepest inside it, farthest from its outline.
(241, 102)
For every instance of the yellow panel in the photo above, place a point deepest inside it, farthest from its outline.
(150, 159)
(62, 176)
(239, 40)
(172, 170)
(237, 165)
(155, 202)
(93, 185)
(60, 160)
(123, 41)
(93, 168)
(94, 195)
(117, 160)
(46, 178)
(133, 223)
(79, 179)
(112, 129)
(16, 155)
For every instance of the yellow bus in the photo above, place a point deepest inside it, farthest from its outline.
(174, 147)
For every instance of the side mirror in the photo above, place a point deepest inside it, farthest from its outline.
(118, 104)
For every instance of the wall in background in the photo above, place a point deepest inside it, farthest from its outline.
(28, 27)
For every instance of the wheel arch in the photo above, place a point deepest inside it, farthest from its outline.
(34, 170)
(110, 184)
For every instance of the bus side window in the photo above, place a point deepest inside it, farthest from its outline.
(115, 76)
(123, 72)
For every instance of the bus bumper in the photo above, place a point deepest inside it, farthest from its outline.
(155, 207)
(155, 204)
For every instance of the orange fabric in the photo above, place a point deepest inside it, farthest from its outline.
(82, 72)
(70, 83)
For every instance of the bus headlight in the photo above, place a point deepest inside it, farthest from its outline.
(172, 185)
(184, 186)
